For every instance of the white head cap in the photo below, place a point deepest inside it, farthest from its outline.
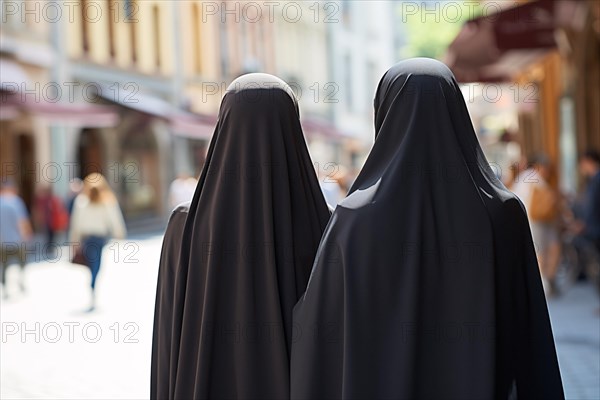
(259, 80)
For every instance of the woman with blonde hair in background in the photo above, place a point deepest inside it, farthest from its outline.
(96, 218)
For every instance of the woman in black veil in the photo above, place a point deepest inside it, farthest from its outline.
(239, 256)
(425, 284)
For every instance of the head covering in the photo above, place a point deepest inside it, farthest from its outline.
(248, 244)
(425, 284)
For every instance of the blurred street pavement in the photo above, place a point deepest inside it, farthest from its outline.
(576, 323)
(106, 354)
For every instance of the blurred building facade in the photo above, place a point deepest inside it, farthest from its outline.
(364, 49)
(546, 53)
(126, 51)
(25, 58)
(134, 86)
(35, 102)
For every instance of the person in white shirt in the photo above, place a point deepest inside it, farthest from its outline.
(96, 218)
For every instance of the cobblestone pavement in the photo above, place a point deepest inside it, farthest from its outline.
(52, 349)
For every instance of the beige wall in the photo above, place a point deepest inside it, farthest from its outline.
(200, 44)
(245, 41)
(199, 40)
(143, 29)
(301, 53)
(274, 45)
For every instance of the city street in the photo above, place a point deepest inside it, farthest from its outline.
(51, 348)
(576, 322)
(107, 355)
(413, 116)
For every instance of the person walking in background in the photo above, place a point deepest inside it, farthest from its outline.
(543, 205)
(515, 171)
(96, 218)
(15, 231)
(50, 215)
(589, 225)
(425, 284)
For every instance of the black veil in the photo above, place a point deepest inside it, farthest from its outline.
(425, 284)
(246, 252)
(165, 341)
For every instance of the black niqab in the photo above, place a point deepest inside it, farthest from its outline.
(425, 284)
(247, 249)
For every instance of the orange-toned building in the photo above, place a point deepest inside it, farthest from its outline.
(552, 48)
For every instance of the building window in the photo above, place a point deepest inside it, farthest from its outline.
(85, 33)
(224, 47)
(112, 20)
(156, 29)
(131, 9)
(197, 39)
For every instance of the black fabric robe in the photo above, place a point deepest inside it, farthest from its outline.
(165, 341)
(246, 252)
(425, 284)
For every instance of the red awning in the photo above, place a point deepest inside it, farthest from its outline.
(82, 115)
(496, 46)
(181, 123)
(8, 112)
(14, 79)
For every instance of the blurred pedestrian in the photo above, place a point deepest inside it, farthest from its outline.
(15, 231)
(515, 173)
(96, 218)
(425, 284)
(50, 214)
(182, 190)
(75, 187)
(543, 204)
(246, 251)
(589, 225)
